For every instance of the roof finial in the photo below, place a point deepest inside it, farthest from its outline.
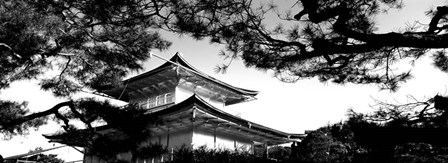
(180, 54)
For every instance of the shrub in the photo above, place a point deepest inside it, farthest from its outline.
(203, 154)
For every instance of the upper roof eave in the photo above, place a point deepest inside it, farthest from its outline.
(117, 91)
(177, 58)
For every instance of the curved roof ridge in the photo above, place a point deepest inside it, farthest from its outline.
(242, 90)
(210, 109)
(177, 58)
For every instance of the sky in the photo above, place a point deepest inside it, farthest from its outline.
(289, 107)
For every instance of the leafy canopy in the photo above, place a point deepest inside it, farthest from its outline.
(75, 45)
(71, 46)
(334, 40)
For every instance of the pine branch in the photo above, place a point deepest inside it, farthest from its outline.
(19, 121)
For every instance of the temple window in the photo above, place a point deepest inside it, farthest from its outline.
(169, 98)
(159, 100)
(152, 102)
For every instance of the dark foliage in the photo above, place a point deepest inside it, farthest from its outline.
(279, 153)
(185, 154)
(11, 110)
(333, 40)
(420, 152)
(411, 132)
(71, 46)
(42, 158)
(333, 143)
(359, 139)
(130, 132)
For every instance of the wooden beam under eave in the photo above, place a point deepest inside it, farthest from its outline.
(131, 87)
(155, 131)
(186, 114)
(136, 93)
(163, 128)
(171, 82)
(259, 133)
(150, 90)
(142, 93)
(240, 134)
(140, 84)
(174, 125)
(145, 81)
(155, 88)
(181, 121)
(163, 86)
(146, 89)
(273, 137)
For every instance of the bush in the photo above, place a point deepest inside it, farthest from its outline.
(332, 143)
(420, 153)
(203, 154)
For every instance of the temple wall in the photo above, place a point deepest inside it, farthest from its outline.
(219, 140)
(174, 140)
(197, 138)
(180, 138)
(203, 138)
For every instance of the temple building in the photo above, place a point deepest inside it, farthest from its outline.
(191, 106)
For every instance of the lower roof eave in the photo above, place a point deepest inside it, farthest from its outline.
(210, 114)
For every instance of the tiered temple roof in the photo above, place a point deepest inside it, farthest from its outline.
(177, 71)
(192, 112)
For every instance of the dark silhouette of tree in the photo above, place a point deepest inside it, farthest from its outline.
(50, 158)
(127, 131)
(392, 130)
(429, 113)
(332, 143)
(70, 47)
(359, 139)
(337, 41)
(43, 158)
(79, 46)
(184, 154)
(334, 40)
(279, 153)
(90, 45)
(420, 152)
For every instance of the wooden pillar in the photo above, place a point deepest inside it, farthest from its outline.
(267, 150)
(234, 145)
(168, 139)
(193, 118)
(214, 137)
(172, 153)
(252, 148)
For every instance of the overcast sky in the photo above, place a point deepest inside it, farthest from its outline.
(296, 107)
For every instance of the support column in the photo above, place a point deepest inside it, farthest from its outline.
(193, 119)
(172, 153)
(252, 148)
(267, 150)
(214, 137)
